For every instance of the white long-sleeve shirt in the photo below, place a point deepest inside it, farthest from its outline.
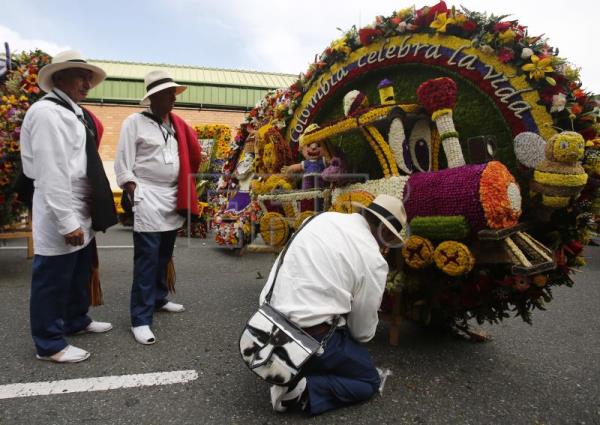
(152, 163)
(332, 267)
(53, 154)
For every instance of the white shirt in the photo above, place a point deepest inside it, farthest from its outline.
(333, 267)
(152, 163)
(53, 154)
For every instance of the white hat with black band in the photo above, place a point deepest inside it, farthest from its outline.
(390, 211)
(68, 59)
(156, 81)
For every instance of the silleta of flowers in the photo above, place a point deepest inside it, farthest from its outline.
(17, 92)
(483, 131)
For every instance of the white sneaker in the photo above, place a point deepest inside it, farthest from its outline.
(98, 327)
(143, 334)
(172, 307)
(69, 354)
(279, 394)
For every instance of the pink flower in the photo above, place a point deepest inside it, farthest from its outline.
(506, 55)
(502, 26)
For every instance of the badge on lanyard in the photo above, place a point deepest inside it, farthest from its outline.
(166, 150)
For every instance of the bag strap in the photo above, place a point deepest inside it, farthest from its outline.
(86, 120)
(280, 262)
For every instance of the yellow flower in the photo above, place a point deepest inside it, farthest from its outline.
(340, 45)
(441, 21)
(403, 13)
(459, 18)
(538, 67)
(507, 36)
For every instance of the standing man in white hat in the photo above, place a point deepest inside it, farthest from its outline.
(157, 158)
(335, 266)
(72, 198)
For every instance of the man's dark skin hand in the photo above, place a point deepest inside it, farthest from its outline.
(75, 237)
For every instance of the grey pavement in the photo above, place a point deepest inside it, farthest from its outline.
(548, 373)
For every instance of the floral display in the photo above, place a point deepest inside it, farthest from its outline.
(500, 215)
(17, 93)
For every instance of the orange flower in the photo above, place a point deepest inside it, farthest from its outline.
(500, 196)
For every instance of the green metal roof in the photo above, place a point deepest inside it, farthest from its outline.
(207, 87)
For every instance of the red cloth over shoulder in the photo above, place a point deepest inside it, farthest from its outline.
(99, 127)
(189, 161)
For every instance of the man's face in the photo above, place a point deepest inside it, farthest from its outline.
(163, 101)
(75, 82)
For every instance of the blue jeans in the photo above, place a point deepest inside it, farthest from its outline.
(152, 252)
(344, 374)
(59, 298)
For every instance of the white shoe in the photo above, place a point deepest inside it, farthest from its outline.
(98, 327)
(69, 354)
(172, 307)
(143, 334)
(279, 394)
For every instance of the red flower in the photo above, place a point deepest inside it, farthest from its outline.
(506, 55)
(426, 15)
(469, 26)
(574, 247)
(395, 20)
(438, 93)
(588, 133)
(502, 26)
(367, 35)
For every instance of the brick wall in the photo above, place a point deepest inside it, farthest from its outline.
(113, 115)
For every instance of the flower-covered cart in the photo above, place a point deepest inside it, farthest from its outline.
(18, 90)
(480, 128)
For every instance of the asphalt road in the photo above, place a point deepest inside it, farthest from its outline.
(548, 373)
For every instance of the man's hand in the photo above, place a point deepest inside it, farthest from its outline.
(130, 189)
(75, 238)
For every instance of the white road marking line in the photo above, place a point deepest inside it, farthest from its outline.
(103, 383)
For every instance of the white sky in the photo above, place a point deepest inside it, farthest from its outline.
(268, 35)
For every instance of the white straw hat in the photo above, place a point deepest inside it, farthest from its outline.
(389, 210)
(156, 81)
(67, 60)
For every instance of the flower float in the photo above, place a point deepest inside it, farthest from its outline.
(499, 101)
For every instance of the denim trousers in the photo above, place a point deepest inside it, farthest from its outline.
(152, 252)
(59, 299)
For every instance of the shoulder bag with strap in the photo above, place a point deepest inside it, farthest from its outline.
(272, 346)
(103, 210)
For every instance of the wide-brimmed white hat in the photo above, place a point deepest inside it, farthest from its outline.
(66, 60)
(389, 210)
(156, 81)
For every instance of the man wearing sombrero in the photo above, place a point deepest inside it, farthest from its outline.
(157, 158)
(336, 267)
(71, 200)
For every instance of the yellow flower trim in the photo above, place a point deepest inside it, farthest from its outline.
(453, 258)
(301, 217)
(555, 179)
(441, 112)
(353, 123)
(541, 117)
(555, 201)
(274, 229)
(387, 154)
(344, 202)
(417, 252)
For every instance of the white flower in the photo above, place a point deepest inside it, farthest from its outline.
(526, 53)
(401, 27)
(485, 48)
(558, 102)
